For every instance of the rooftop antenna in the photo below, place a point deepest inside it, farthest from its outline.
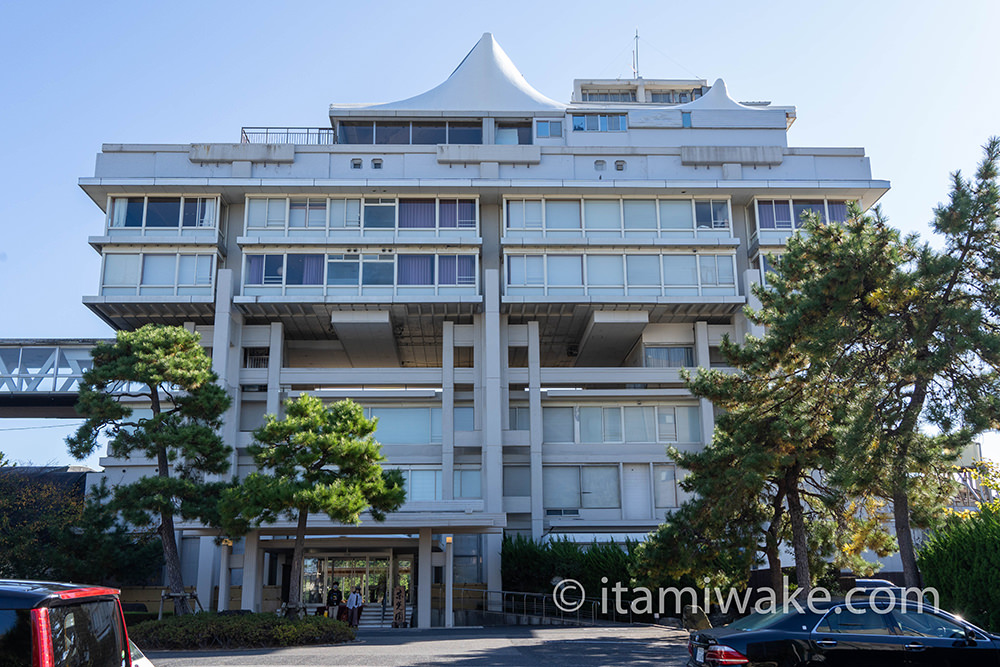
(635, 55)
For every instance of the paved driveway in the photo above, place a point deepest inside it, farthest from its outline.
(518, 646)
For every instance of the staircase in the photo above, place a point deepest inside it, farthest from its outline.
(377, 616)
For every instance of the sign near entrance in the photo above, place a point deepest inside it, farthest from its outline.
(399, 607)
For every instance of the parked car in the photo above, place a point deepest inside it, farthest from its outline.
(832, 635)
(138, 659)
(46, 624)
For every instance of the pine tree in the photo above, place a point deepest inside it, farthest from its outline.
(315, 459)
(163, 370)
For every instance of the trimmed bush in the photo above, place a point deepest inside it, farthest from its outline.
(962, 561)
(211, 630)
(531, 567)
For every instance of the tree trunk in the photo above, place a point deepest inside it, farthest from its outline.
(771, 543)
(171, 557)
(800, 543)
(904, 536)
(295, 583)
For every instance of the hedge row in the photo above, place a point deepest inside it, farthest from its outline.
(210, 630)
(962, 561)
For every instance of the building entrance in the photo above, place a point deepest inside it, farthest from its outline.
(376, 573)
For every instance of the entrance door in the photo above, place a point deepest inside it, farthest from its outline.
(635, 487)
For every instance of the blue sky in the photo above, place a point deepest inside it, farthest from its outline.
(914, 83)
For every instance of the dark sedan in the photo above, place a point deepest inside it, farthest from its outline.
(869, 633)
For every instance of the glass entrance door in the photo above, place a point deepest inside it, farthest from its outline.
(369, 571)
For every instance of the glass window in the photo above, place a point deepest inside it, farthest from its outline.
(127, 212)
(862, 621)
(345, 212)
(307, 212)
(800, 208)
(158, 269)
(121, 269)
(356, 132)
(194, 270)
(425, 133)
(304, 270)
(711, 214)
(163, 212)
(403, 426)
(640, 214)
(716, 270)
(669, 357)
(465, 133)
(424, 485)
(642, 269)
(464, 418)
(666, 424)
(600, 214)
(591, 425)
(199, 212)
(675, 214)
(520, 418)
(379, 215)
(612, 424)
(565, 270)
(837, 211)
(415, 269)
(665, 486)
(456, 270)
(774, 214)
(525, 269)
(468, 483)
(87, 633)
(416, 213)
(513, 133)
(557, 424)
(562, 214)
(680, 270)
(605, 270)
(392, 133)
(377, 270)
(275, 213)
(549, 128)
(524, 214)
(274, 268)
(561, 487)
(600, 487)
(924, 624)
(688, 424)
(516, 481)
(342, 270)
(640, 424)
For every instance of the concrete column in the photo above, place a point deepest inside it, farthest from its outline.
(504, 375)
(251, 573)
(206, 570)
(225, 551)
(449, 583)
(424, 579)
(448, 411)
(535, 409)
(701, 358)
(492, 422)
(274, 363)
(226, 356)
(491, 560)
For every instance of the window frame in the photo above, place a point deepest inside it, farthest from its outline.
(135, 288)
(603, 122)
(795, 225)
(622, 229)
(660, 438)
(144, 230)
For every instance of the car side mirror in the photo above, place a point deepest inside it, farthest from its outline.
(970, 635)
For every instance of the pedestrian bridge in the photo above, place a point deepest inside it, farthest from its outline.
(41, 377)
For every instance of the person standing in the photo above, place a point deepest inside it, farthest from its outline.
(354, 605)
(334, 601)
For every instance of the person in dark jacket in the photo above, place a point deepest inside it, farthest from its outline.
(335, 602)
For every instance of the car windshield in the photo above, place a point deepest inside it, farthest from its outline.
(89, 633)
(759, 621)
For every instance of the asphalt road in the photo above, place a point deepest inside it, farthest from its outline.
(517, 646)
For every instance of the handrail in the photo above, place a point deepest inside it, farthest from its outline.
(308, 136)
(540, 605)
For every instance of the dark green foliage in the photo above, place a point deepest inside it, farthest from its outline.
(164, 371)
(961, 559)
(316, 459)
(532, 566)
(208, 630)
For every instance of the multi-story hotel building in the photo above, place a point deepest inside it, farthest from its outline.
(509, 283)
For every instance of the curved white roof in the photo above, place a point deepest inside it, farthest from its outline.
(486, 80)
(717, 97)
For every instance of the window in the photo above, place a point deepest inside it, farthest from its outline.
(562, 214)
(557, 424)
(158, 269)
(376, 163)
(344, 213)
(162, 212)
(860, 622)
(465, 133)
(605, 270)
(428, 133)
(685, 115)
(342, 270)
(305, 212)
(716, 270)
(678, 424)
(456, 270)
(524, 214)
(602, 214)
(356, 132)
(669, 357)
(600, 123)
(404, 132)
(356, 163)
(423, 485)
(576, 487)
(640, 424)
(464, 418)
(916, 623)
(548, 128)
(642, 270)
(525, 270)
(787, 214)
(600, 165)
(468, 559)
(774, 214)
(513, 133)
(387, 132)
(467, 483)
(415, 270)
(520, 418)
(565, 270)
(665, 485)
(516, 481)
(304, 270)
(121, 269)
(407, 426)
(266, 212)
(619, 165)
(194, 270)
(608, 95)
(640, 214)
(377, 269)
(837, 211)
(802, 208)
(664, 97)
(380, 213)
(417, 213)
(711, 214)
(457, 213)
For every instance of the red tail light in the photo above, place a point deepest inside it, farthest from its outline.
(723, 655)
(41, 639)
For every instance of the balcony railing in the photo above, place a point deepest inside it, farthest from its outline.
(302, 136)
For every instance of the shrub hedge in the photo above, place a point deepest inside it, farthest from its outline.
(532, 566)
(962, 561)
(212, 630)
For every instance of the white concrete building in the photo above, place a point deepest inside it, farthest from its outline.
(510, 283)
